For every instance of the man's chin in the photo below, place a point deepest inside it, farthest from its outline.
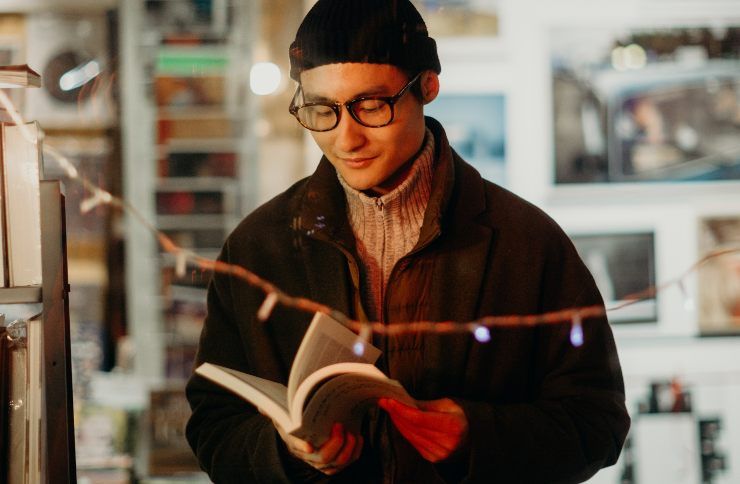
(359, 185)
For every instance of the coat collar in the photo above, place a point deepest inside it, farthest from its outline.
(452, 219)
(458, 196)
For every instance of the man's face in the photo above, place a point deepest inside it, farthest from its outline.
(367, 158)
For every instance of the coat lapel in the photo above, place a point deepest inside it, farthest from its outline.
(323, 228)
(454, 212)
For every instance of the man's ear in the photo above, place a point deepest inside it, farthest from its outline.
(429, 86)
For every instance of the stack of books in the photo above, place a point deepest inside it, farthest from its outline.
(19, 76)
(21, 169)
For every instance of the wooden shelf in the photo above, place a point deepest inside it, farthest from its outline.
(193, 221)
(20, 295)
(197, 184)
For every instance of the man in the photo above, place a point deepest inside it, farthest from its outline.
(393, 226)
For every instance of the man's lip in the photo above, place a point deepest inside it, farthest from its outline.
(357, 161)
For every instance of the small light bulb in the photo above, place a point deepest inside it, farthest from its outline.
(482, 334)
(576, 331)
(688, 301)
(181, 263)
(268, 305)
(358, 348)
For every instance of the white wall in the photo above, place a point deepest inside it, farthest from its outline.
(710, 367)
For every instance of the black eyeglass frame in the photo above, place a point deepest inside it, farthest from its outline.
(337, 106)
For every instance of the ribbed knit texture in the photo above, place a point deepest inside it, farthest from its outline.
(386, 228)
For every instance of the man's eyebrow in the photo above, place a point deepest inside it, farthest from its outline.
(316, 98)
(378, 90)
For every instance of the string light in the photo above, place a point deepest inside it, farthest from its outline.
(480, 329)
(362, 339)
(99, 197)
(181, 263)
(63, 162)
(482, 334)
(688, 301)
(576, 330)
(265, 310)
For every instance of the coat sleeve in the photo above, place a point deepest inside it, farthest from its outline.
(232, 441)
(577, 421)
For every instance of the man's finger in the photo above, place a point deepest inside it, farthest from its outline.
(432, 420)
(436, 435)
(431, 450)
(329, 450)
(342, 458)
(358, 449)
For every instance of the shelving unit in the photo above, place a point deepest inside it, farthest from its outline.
(189, 167)
(187, 116)
(49, 431)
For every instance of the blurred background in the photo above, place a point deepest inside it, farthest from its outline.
(621, 119)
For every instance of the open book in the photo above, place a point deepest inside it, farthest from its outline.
(328, 383)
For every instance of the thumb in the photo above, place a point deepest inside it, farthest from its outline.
(292, 441)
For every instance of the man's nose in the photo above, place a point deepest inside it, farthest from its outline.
(350, 133)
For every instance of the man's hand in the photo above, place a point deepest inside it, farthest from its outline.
(342, 449)
(437, 429)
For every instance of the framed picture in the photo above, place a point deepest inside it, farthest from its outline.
(475, 127)
(460, 18)
(646, 104)
(189, 21)
(719, 276)
(623, 265)
(71, 52)
(643, 253)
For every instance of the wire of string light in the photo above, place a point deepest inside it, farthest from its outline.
(479, 328)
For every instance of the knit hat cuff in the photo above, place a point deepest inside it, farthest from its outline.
(368, 31)
(419, 54)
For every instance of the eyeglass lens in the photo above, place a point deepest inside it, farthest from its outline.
(369, 112)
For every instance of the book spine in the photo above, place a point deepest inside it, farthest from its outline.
(4, 401)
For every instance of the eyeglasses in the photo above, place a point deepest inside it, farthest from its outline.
(369, 111)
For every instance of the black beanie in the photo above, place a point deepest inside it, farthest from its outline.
(371, 31)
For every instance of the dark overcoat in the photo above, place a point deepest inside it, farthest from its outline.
(539, 409)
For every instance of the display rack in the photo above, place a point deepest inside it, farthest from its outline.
(190, 164)
(49, 431)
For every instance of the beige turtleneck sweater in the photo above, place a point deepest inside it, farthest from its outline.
(386, 228)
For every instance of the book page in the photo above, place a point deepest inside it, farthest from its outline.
(268, 396)
(23, 170)
(345, 398)
(3, 238)
(326, 342)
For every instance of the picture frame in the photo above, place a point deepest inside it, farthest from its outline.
(460, 18)
(473, 102)
(72, 54)
(475, 124)
(635, 104)
(647, 253)
(719, 275)
(623, 266)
